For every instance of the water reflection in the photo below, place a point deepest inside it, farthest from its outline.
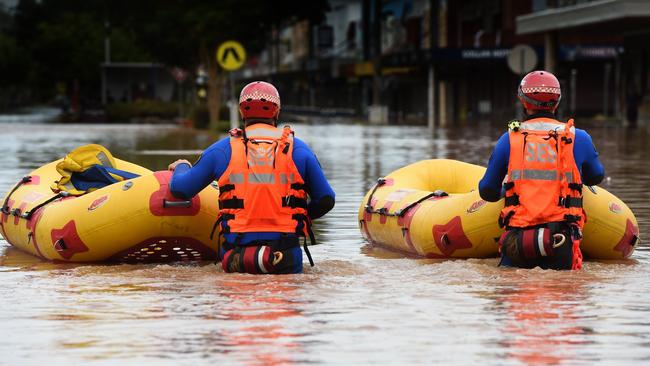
(359, 305)
(542, 322)
(260, 313)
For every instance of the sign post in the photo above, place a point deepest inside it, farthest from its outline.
(179, 75)
(522, 59)
(231, 56)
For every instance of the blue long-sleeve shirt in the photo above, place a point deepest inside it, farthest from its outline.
(188, 181)
(584, 153)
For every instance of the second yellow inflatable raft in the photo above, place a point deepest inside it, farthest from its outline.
(404, 212)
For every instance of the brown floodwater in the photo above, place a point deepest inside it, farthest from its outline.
(359, 305)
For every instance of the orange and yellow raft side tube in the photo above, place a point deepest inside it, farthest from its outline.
(402, 212)
(131, 221)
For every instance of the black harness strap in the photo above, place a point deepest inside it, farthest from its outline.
(303, 222)
(511, 200)
(576, 187)
(298, 186)
(293, 202)
(569, 202)
(380, 182)
(406, 209)
(572, 218)
(23, 180)
(28, 215)
(312, 240)
(226, 188)
(222, 217)
(503, 221)
(232, 203)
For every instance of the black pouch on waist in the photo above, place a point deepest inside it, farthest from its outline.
(263, 257)
(525, 245)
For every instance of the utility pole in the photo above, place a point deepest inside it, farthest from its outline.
(377, 113)
(107, 58)
(431, 80)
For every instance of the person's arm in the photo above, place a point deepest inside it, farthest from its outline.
(320, 192)
(490, 186)
(189, 180)
(585, 152)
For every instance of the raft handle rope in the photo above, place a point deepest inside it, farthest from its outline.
(400, 213)
(380, 182)
(28, 214)
(176, 204)
(23, 180)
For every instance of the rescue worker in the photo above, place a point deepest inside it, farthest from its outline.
(545, 164)
(271, 187)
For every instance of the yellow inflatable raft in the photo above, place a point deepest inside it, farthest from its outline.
(131, 221)
(404, 213)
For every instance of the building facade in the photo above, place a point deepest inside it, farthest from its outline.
(445, 61)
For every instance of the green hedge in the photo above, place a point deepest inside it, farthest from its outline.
(125, 112)
(166, 112)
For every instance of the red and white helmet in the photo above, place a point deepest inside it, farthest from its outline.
(539, 91)
(259, 99)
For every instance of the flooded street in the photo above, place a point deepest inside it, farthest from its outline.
(359, 305)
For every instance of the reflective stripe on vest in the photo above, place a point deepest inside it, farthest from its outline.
(236, 178)
(283, 178)
(273, 134)
(259, 178)
(545, 126)
(538, 174)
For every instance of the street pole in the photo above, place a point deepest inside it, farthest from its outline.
(431, 98)
(433, 44)
(608, 71)
(574, 82)
(232, 104)
(180, 100)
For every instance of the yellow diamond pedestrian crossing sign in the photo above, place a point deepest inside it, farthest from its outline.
(231, 55)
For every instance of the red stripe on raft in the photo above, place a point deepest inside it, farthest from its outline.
(35, 179)
(383, 218)
(4, 216)
(367, 216)
(405, 223)
(31, 226)
(625, 244)
(163, 194)
(22, 208)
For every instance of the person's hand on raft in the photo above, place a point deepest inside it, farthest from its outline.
(173, 165)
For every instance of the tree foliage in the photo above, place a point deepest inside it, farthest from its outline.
(63, 40)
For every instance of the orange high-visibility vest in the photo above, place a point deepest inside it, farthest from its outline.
(261, 189)
(543, 184)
